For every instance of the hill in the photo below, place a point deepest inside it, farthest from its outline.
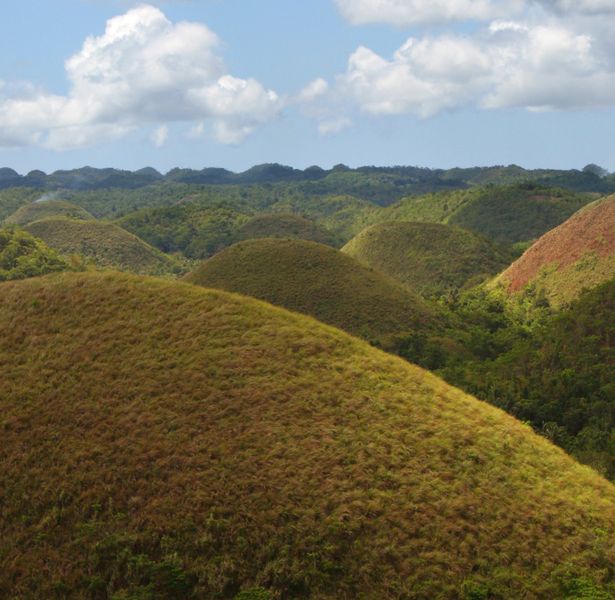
(288, 226)
(428, 257)
(22, 256)
(505, 214)
(105, 244)
(37, 211)
(163, 441)
(578, 254)
(319, 281)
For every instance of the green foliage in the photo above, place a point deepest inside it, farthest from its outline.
(254, 594)
(428, 257)
(160, 440)
(22, 256)
(47, 209)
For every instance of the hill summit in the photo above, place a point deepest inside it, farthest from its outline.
(162, 441)
(578, 254)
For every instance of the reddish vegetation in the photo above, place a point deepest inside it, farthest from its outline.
(590, 230)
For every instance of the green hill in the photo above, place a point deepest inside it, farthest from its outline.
(428, 257)
(22, 256)
(319, 281)
(287, 226)
(105, 244)
(37, 211)
(506, 214)
(578, 254)
(161, 441)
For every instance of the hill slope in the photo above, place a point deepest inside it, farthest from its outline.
(164, 441)
(506, 214)
(107, 245)
(37, 211)
(578, 254)
(288, 226)
(317, 280)
(428, 257)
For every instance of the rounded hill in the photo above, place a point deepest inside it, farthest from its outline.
(46, 209)
(164, 441)
(105, 244)
(319, 281)
(287, 226)
(428, 257)
(578, 254)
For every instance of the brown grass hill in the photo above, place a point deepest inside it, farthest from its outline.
(163, 441)
(577, 255)
(105, 244)
(37, 211)
(428, 257)
(319, 281)
(287, 226)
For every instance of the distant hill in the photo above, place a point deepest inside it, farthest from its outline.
(286, 226)
(428, 257)
(578, 254)
(164, 441)
(105, 244)
(506, 214)
(319, 281)
(23, 256)
(37, 211)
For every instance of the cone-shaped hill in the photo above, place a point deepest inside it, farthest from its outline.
(578, 254)
(107, 245)
(47, 209)
(287, 226)
(428, 257)
(319, 281)
(160, 440)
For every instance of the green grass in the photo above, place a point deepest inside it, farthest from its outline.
(37, 211)
(319, 281)
(506, 214)
(164, 441)
(428, 257)
(287, 226)
(105, 244)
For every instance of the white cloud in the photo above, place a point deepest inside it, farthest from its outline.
(335, 125)
(509, 64)
(413, 12)
(314, 89)
(143, 69)
(160, 135)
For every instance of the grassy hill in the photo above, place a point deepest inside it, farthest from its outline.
(317, 280)
(37, 211)
(162, 441)
(105, 244)
(507, 214)
(428, 257)
(578, 254)
(22, 256)
(287, 226)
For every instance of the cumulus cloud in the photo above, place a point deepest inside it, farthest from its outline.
(160, 135)
(509, 64)
(143, 69)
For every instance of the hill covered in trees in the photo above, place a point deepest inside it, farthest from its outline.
(164, 441)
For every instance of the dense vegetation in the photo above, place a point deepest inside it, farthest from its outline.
(428, 257)
(287, 226)
(319, 281)
(558, 373)
(104, 244)
(578, 254)
(163, 441)
(508, 214)
(23, 256)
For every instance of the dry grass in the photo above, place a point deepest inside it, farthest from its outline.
(160, 440)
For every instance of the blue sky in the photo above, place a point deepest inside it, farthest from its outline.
(234, 83)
